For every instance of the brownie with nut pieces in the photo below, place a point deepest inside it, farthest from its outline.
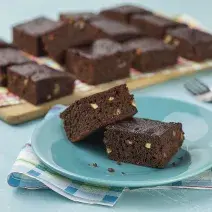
(74, 32)
(89, 114)
(154, 25)
(39, 83)
(8, 57)
(143, 142)
(102, 61)
(123, 13)
(150, 54)
(191, 44)
(28, 35)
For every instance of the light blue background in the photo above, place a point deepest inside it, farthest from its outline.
(12, 138)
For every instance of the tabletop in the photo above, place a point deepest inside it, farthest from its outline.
(14, 137)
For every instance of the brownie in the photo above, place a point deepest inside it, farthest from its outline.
(153, 25)
(77, 31)
(8, 57)
(123, 13)
(115, 30)
(151, 54)
(89, 114)
(192, 44)
(28, 35)
(102, 61)
(39, 83)
(143, 142)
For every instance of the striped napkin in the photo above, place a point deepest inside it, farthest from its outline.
(30, 173)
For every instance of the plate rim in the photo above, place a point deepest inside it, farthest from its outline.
(114, 183)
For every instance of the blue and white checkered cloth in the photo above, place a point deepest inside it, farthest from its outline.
(29, 172)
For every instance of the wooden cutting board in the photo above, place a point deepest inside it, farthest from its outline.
(20, 113)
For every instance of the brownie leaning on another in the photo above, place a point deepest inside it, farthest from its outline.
(89, 114)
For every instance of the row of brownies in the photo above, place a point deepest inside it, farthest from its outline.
(95, 48)
(32, 81)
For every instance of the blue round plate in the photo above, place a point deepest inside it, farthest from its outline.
(72, 159)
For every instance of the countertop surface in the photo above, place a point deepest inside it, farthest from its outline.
(14, 137)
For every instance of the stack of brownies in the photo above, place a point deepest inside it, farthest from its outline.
(108, 116)
(95, 48)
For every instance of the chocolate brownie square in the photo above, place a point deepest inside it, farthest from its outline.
(89, 114)
(151, 54)
(39, 83)
(153, 25)
(75, 31)
(192, 44)
(143, 142)
(123, 13)
(115, 30)
(8, 57)
(102, 61)
(28, 36)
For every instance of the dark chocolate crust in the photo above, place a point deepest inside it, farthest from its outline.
(89, 114)
(153, 25)
(28, 36)
(143, 142)
(103, 61)
(39, 83)
(191, 43)
(123, 13)
(147, 50)
(8, 57)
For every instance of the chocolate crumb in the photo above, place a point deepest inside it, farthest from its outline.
(118, 163)
(111, 170)
(95, 165)
(174, 164)
(180, 158)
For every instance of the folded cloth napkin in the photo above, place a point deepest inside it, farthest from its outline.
(30, 173)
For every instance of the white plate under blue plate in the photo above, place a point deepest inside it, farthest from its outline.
(72, 159)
